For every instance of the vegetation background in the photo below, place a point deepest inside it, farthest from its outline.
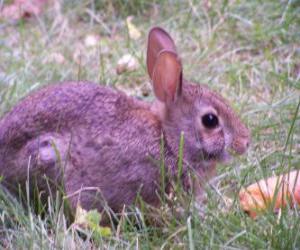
(247, 50)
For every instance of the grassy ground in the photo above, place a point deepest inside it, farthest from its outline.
(248, 50)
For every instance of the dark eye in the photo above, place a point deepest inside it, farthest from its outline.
(210, 120)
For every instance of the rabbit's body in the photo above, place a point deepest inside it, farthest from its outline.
(103, 138)
(107, 146)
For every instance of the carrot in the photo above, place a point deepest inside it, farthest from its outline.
(279, 190)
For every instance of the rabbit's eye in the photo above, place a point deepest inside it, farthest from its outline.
(210, 120)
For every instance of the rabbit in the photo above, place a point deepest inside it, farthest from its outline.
(105, 146)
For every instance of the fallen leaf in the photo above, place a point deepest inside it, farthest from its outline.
(91, 40)
(80, 216)
(23, 9)
(56, 58)
(133, 31)
(127, 63)
(91, 220)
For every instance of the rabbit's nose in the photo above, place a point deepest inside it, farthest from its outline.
(246, 143)
(240, 145)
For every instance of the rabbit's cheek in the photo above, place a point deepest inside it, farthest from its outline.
(228, 138)
(213, 142)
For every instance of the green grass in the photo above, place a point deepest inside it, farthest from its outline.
(248, 50)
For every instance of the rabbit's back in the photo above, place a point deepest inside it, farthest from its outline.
(61, 106)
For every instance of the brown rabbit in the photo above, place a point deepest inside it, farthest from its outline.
(105, 145)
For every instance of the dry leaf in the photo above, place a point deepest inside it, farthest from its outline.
(80, 216)
(228, 202)
(280, 190)
(56, 58)
(133, 31)
(91, 40)
(22, 9)
(91, 220)
(127, 63)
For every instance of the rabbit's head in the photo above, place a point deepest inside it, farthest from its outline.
(211, 128)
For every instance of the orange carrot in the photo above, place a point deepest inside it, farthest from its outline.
(278, 190)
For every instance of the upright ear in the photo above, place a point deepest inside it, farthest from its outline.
(158, 40)
(167, 76)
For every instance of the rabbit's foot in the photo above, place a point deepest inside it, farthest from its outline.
(48, 152)
(52, 150)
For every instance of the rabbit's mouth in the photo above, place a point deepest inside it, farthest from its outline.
(224, 156)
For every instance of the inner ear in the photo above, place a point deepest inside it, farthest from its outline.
(158, 40)
(167, 76)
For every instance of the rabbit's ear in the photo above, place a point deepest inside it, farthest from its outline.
(158, 40)
(167, 76)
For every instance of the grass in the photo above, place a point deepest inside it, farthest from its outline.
(248, 50)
